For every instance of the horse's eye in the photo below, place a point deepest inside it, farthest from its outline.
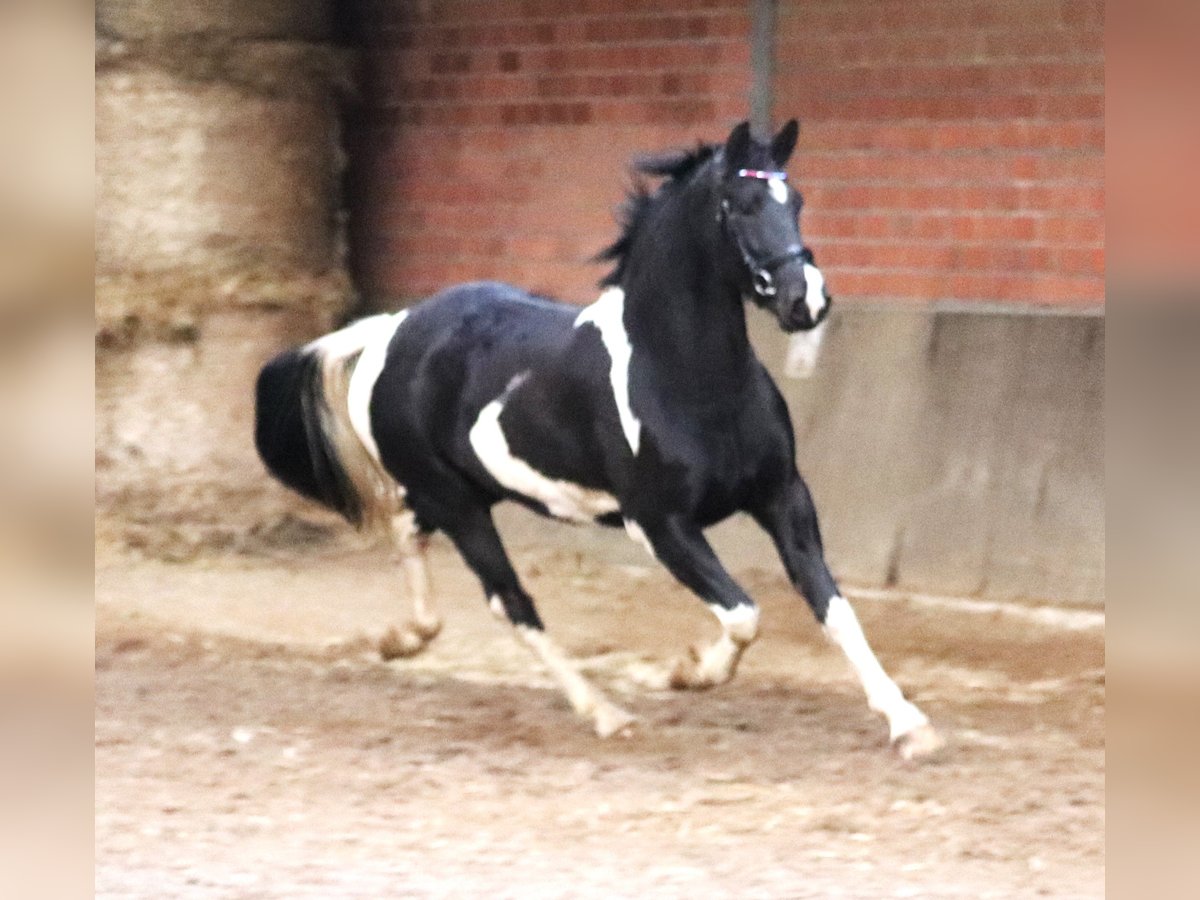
(749, 204)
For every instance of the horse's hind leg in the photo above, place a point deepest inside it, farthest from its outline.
(411, 547)
(474, 533)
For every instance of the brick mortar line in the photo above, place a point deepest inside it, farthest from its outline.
(638, 43)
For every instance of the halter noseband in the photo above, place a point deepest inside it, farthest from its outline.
(760, 269)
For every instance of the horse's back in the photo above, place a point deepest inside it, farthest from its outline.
(484, 320)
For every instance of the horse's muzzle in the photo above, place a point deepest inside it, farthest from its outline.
(803, 302)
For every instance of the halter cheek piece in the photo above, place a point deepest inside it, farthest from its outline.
(760, 269)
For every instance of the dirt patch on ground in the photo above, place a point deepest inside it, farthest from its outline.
(250, 743)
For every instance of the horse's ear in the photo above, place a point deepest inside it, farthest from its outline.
(784, 143)
(737, 147)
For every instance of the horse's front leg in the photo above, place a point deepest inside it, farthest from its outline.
(681, 547)
(791, 519)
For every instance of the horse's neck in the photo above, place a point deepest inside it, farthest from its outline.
(690, 327)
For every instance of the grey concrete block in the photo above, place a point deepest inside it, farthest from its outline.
(957, 452)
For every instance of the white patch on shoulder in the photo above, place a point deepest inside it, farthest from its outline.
(607, 315)
(562, 499)
(366, 373)
(778, 188)
(634, 530)
(814, 299)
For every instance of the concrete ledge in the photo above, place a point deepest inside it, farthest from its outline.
(957, 452)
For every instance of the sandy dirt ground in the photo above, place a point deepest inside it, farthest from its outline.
(251, 743)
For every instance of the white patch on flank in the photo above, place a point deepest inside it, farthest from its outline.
(841, 626)
(815, 298)
(607, 315)
(778, 188)
(366, 373)
(634, 530)
(561, 498)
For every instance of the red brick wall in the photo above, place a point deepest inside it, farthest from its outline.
(497, 134)
(951, 149)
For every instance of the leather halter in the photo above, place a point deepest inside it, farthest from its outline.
(761, 270)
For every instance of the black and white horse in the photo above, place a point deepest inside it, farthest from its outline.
(647, 409)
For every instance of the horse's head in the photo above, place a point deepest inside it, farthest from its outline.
(759, 217)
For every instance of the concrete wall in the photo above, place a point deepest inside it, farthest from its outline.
(958, 452)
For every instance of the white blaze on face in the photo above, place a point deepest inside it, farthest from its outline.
(607, 315)
(841, 626)
(378, 332)
(562, 499)
(814, 299)
(778, 189)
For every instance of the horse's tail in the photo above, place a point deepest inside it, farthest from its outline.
(304, 434)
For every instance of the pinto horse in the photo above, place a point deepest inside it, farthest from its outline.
(647, 409)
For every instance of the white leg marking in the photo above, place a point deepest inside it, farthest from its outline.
(412, 636)
(740, 623)
(634, 530)
(779, 189)
(883, 696)
(584, 698)
(814, 299)
(414, 561)
(562, 498)
(739, 628)
(607, 315)
(716, 663)
(366, 373)
(496, 605)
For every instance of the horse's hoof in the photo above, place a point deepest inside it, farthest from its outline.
(921, 744)
(428, 630)
(686, 674)
(401, 643)
(610, 720)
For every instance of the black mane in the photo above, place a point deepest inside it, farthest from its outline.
(677, 167)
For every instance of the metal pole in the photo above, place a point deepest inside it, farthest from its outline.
(762, 63)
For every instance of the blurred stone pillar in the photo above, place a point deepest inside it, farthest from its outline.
(218, 238)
